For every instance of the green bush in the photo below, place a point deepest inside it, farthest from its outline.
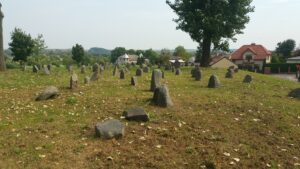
(284, 67)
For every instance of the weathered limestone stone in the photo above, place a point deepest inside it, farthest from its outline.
(110, 129)
(46, 70)
(178, 72)
(73, 81)
(136, 114)
(35, 69)
(95, 67)
(139, 72)
(197, 74)
(122, 74)
(248, 79)
(214, 82)
(86, 80)
(49, 93)
(95, 76)
(146, 69)
(115, 71)
(134, 81)
(155, 80)
(162, 97)
(82, 69)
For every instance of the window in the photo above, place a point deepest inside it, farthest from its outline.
(248, 57)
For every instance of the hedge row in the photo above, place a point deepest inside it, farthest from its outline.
(284, 67)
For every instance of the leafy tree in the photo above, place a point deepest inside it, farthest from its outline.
(181, 52)
(151, 55)
(21, 46)
(140, 61)
(165, 56)
(286, 47)
(297, 52)
(211, 22)
(277, 58)
(78, 53)
(117, 52)
(39, 45)
(131, 51)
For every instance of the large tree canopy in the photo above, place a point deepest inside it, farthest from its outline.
(78, 53)
(286, 48)
(117, 52)
(211, 21)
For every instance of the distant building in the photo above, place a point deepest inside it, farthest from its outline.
(125, 59)
(176, 58)
(293, 60)
(251, 55)
(221, 61)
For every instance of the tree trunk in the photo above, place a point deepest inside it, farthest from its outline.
(2, 59)
(205, 59)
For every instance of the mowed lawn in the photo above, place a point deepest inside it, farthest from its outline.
(235, 126)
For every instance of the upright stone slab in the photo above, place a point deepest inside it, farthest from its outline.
(35, 69)
(162, 75)
(229, 74)
(73, 81)
(139, 72)
(122, 74)
(86, 80)
(24, 68)
(110, 129)
(155, 80)
(248, 79)
(2, 58)
(162, 97)
(49, 93)
(167, 67)
(101, 69)
(214, 82)
(70, 68)
(115, 71)
(193, 71)
(95, 76)
(95, 68)
(46, 70)
(197, 74)
(178, 72)
(82, 69)
(49, 66)
(146, 69)
(236, 70)
(133, 81)
(136, 114)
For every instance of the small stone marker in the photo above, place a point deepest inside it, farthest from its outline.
(136, 114)
(122, 74)
(146, 69)
(35, 69)
(95, 68)
(24, 67)
(162, 75)
(213, 82)
(197, 74)
(139, 72)
(86, 80)
(162, 97)
(178, 72)
(115, 71)
(82, 69)
(73, 81)
(95, 76)
(49, 66)
(236, 70)
(248, 79)
(229, 74)
(49, 93)
(110, 129)
(46, 70)
(133, 81)
(70, 68)
(155, 80)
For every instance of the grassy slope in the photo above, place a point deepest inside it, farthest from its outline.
(257, 123)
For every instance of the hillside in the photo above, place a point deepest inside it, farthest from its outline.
(235, 126)
(99, 51)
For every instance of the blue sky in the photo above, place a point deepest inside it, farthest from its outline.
(137, 24)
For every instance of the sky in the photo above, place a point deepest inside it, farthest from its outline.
(136, 24)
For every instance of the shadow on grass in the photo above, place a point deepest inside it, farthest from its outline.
(295, 93)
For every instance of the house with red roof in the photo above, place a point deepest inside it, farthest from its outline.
(251, 55)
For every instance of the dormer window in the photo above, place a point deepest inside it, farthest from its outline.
(249, 57)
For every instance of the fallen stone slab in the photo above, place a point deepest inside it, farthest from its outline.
(49, 93)
(110, 129)
(136, 114)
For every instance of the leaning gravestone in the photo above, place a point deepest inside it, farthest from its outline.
(162, 97)
(122, 74)
(115, 71)
(139, 72)
(213, 82)
(155, 80)
(46, 70)
(133, 81)
(95, 68)
(35, 69)
(248, 79)
(82, 69)
(197, 74)
(136, 114)
(110, 129)
(73, 81)
(146, 69)
(95, 76)
(229, 74)
(86, 80)
(178, 72)
(49, 93)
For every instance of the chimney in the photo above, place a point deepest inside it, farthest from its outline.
(253, 44)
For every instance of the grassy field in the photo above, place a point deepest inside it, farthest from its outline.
(235, 126)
